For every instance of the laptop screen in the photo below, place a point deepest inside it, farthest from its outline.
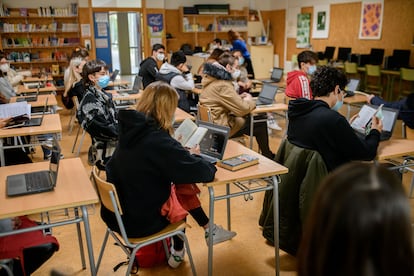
(137, 83)
(214, 141)
(114, 75)
(54, 161)
(352, 85)
(277, 74)
(367, 111)
(268, 92)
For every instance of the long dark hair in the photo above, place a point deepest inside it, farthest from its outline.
(92, 67)
(359, 225)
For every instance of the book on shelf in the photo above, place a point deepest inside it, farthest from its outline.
(238, 162)
(189, 134)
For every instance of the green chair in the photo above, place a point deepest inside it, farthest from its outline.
(406, 82)
(351, 69)
(323, 62)
(372, 82)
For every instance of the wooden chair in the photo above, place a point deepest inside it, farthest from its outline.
(73, 112)
(323, 62)
(203, 113)
(372, 81)
(109, 198)
(407, 78)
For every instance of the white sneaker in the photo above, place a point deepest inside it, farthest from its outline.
(272, 124)
(176, 258)
(219, 234)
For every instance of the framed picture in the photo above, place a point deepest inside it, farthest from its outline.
(303, 31)
(320, 26)
(371, 19)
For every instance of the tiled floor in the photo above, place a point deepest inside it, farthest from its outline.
(247, 254)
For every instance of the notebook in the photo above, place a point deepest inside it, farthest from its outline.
(366, 113)
(136, 87)
(351, 87)
(35, 182)
(214, 142)
(114, 75)
(267, 94)
(275, 76)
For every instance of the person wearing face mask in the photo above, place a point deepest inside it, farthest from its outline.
(13, 77)
(97, 113)
(297, 82)
(228, 108)
(317, 125)
(149, 67)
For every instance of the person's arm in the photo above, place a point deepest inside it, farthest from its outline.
(184, 82)
(230, 100)
(396, 105)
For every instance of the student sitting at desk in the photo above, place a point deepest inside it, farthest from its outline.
(74, 85)
(97, 113)
(297, 82)
(316, 124)
(228, 108)
(213, 57)
(145, 163)
(405, 107)
(149, 67)
(6, 89)
(14, 78)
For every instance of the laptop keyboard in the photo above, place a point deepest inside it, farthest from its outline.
(36, 181)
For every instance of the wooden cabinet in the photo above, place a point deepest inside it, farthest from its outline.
(39, 43)
(262, 59)
(206, 27)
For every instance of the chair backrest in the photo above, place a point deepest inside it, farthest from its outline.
(105, 189)
(322, 62)
(203, 113)
(351, 67)
(407, 74)
(373, 70)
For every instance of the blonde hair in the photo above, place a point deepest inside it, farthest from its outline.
(159, 100)
(74, 76)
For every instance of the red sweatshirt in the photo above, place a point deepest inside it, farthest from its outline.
(297, 85)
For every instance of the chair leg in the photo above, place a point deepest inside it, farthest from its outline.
(81, 142)
(102, 250)
(76, 139)
(190, 256)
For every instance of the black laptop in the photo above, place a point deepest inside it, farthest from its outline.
(25, 121)
(136, 86)
(115, 73)
(365, 114)
(35, 182)
(31, 98)
(214, 142)
(267, 94)
(351, 87)
(275, 76)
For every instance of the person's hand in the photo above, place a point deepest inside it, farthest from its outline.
(369, 98)
(3, 99)
(376, 123)
(195, 150)
(183, 68)
(4, 122)
(246, 96)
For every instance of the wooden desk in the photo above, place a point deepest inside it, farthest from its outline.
(119, 83)
(395, 148)
(37, 79)
(71, 179)
(264, 109)
(41, 101)
(181, 115)
(266, 171)
(50, 125)
(21, 89)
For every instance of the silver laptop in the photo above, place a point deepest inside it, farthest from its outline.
(351, 87)
(275, 76)
(366, 113)
(214, 142)
(267, 94)
(35, 182)
(136, 87)
(31, 98)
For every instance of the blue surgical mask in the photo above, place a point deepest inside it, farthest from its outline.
(103, 81)
(241, 60)
(338, 103)
(311, 69)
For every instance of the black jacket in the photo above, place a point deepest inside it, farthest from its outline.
(148, 69)
(313, 125)
(145, 163)
(405, 113)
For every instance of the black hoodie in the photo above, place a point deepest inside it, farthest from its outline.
(313, 125)
(145, 163)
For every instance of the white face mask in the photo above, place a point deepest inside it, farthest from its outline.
(160, 57)
(236, 74)
(4, 67)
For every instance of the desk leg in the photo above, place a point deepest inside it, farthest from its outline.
(81, 249)
(88, 239)
(276, 180)
(251, 130)
(2, 159)
(210, 227)
(228, 207)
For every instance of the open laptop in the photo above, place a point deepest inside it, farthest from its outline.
(35, 182)
(267, 94)
(115, 73)
(136, 86)
(214, 142)
(275, 76)
(33, 85)
(351, 87)
(31, 98)
(365, 114)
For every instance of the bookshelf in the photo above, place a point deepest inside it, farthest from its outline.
(206, 27)
(40, 38)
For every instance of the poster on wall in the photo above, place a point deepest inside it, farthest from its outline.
(292, 19)
(371, 20)
(155, 24)
(303, 31)
(320, 26)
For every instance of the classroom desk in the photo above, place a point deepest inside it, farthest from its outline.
(72, 178)
(357, 98)
(50, 125)
(267, 171)
(180, 115)
(41, 101)
(37, 79)
(22, 90)
(264, 109)
(119, 83)
(395, 148)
